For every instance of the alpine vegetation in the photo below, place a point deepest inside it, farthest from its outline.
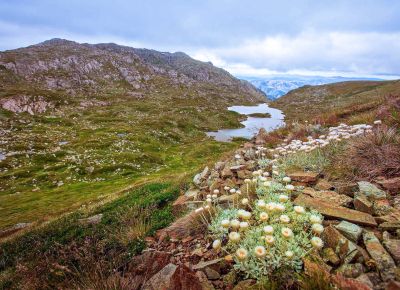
(261, 229)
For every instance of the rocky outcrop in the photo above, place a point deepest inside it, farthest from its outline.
(29, 104)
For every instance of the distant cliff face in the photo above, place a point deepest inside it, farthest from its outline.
(68, 67)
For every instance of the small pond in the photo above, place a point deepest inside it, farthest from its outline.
(252, 124)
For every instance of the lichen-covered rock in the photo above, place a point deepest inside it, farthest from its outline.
(383, 260)
(349, 230)
(371, 191)
(344, 248)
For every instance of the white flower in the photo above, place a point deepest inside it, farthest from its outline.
(317, 243)
(232, 190)
(247, 180)
(260, 251)
(208, 196)
(241, 213)
(287, 233)
(267, 183)
(235, 224)
(262, 178)
(237, 156)
(234, 236)
(271, 206)
(314, 219)
(225, 223)
(208, 200)
(286, 179)
(299, 209)
(244, 225)
(274, 167)
(245, 201)
(256, 173)
(289, 254)
(207, 207)
(284, 219)
(246, 215)
(289, 187)
(216, 191)
(275, 172)
(269, 239)
(377, 122)
(265, 174)
(214, 196)
(241, 254)
(268, 230)
(238, 192)
(263, 216)
(226, 188)
(216, 244)
(261, 203)
(283, 198)
(317, 228)
(280, 207)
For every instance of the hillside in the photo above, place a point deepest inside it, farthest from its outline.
(81, 122)
(360, 98)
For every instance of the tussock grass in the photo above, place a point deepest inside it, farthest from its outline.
(317, 160)
(373, 155)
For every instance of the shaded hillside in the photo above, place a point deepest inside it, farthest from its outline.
(357, 97)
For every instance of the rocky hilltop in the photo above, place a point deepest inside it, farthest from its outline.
(60, 67)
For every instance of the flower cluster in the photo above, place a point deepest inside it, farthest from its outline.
(263, 230)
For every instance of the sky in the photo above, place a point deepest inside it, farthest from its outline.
(355, 38)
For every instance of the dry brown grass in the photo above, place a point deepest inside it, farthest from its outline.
(375, 154)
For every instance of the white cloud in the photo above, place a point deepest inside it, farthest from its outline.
(310, 52)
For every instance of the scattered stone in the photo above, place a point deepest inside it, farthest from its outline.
(211, 273)
(173, 277)
(304, 177)
(93, 220)
(226, 172)
(346, 249)
(329, 196)
(392, 184)
(205, 264)
(346, 188)
(322, 184)
(349, 230)
(383, 260)
(351, 270)
(244, 285)
(364, 278)
(393, 247)
(390, 226)
(371, 191)
(361, 203)
(330, 210)
(329, 255)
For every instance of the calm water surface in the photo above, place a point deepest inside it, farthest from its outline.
(252, 125)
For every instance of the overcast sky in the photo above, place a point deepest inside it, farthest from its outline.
(308, 37)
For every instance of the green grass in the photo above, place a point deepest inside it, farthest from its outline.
(116, 238)
(109, 148)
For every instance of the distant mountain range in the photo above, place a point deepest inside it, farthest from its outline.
(277, 86)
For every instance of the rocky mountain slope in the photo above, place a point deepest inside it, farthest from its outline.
(354, 96)
(59, 68)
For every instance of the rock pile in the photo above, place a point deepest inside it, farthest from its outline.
(338, 133)
(361, 236)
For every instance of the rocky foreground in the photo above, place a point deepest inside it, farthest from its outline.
(361, 234)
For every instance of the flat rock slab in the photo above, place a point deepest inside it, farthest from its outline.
(329, 196)
(393, 247)
(384, 261)
(334, 211)
(390, 226)
(371, 191)
(305, 177)
(349, 230)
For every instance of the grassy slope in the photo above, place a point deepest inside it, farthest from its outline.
(156, 139)
(355, 98)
